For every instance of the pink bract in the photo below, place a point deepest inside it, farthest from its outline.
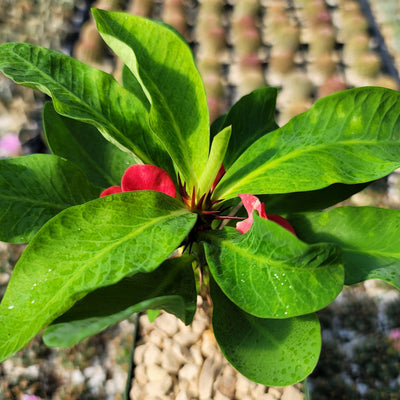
(144, 177)
(30, 397)
(252, 203)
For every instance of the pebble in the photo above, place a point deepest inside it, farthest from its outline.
(170, 362)
(77, 377)
(275, 392)
(182, 354)
(208, 345)
(159, 387)
(32, 372)
(242, 386)
(267, 396)
(152, 354)
(220, 396)
(292, 393)
(186, 338)
(167, 323)
(195, 352)
(138, 356)
(206, 379)
(157, 337)
(226, 385)
(182, 396)
(156, 373)
(189, 372)
(96, 376)
(140, 374)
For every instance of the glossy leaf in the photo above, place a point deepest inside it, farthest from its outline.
(276, 352)
(84, 248)
(350, 137)
(81, 143)
(170, 287)
(215, 159)
(88, 95)
(132, 84)
(163, 64)
(251, 117)
(35, 188)
(269, 273)
(369, 238)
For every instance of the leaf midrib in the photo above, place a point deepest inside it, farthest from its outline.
(262, 259)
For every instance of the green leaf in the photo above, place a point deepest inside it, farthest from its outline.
(251, 117)
(269, 273)
(272, 352)
(81, 143)
(215, 159)
(152, 315)
(310, 201)
(163, 64)
(350, 137)
(170, 287)
(132, 84)
(84, 248)
(35, 188)
(86, 94)
(217, 125)
(369, 238)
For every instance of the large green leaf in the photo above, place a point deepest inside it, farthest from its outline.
(251, 117)
(81, 143)
(215, 159)
(369, 238)
(35, 188)
(273, 352)
(163, 64)
(84, 248)
(269, 273)
(84, 93)
(170, 287)
(349, 137)
(132, 84)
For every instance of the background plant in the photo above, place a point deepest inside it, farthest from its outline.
(92, 262)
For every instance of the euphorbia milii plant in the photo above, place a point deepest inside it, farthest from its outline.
(140, 197)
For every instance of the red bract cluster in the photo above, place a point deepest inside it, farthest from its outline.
(252, 203)
(151, 177)
(144, 177)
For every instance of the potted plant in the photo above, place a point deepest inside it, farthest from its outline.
(140, 195)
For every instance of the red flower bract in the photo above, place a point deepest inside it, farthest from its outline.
(144, 177)
(252, 203)
(220, 174)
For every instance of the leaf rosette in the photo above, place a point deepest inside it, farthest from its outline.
(241, 204)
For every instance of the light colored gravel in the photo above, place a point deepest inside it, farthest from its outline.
(174, 361)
